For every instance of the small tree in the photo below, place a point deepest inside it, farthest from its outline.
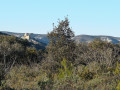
(1, 73)
(31, 55)
(5, 50)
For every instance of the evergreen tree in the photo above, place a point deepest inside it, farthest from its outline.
(61, 44)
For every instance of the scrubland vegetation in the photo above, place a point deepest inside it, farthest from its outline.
(63, 65)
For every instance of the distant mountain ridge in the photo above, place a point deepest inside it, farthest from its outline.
(42, 38)
(90, 38)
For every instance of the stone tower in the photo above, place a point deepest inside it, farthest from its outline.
(27, 36)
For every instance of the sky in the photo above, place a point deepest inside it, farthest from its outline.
(91, 17)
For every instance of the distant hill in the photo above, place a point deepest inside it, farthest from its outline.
(89, 38)
(39, 41)
(43, 40)
(3, 33)
(12, 33)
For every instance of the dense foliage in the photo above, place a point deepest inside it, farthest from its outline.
(63, 65)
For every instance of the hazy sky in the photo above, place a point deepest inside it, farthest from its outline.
(93, 17)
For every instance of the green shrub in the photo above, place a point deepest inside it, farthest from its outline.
(118, 86)
(45, 84)
(87, 74)
(117, 70)
(66, 69)
(24, 77)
